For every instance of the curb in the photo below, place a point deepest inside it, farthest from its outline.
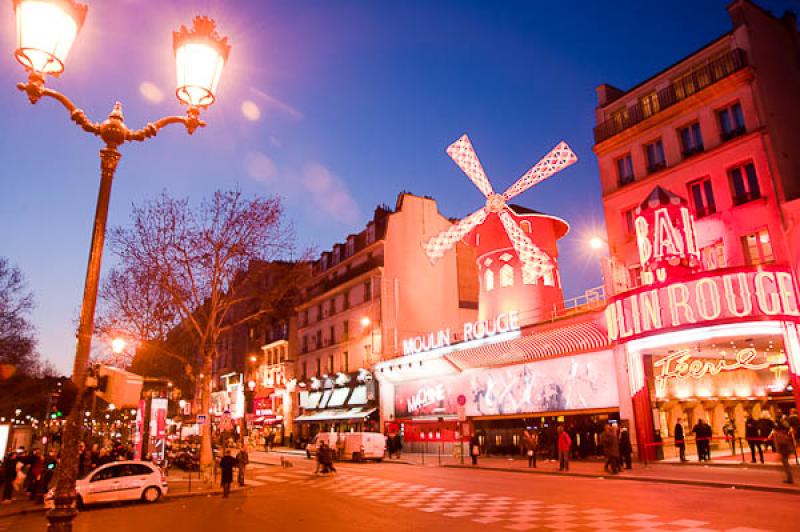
(660, 480)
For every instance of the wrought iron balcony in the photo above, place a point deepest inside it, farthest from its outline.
(681, 89)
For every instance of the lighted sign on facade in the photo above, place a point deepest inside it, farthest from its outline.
(763, 292)
(559, 384)
(477, 330)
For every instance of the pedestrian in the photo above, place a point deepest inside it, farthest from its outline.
(625, 448)
(765, 427)
(474, 448)
(610, 444)
(325, 458)
(226, 465)
(784, 444)
(398, 444)
(390, 444)
(751, 432)
(242, 459)
(530, 442)
(564, 444)
(680, 440)
(35, 463)
(701, 438)
(270, 440)
(9, 476)
(729, 430)
(794, 422)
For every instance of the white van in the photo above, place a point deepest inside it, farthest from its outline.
(354, 446)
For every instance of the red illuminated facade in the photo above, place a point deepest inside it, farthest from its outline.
(705, 320)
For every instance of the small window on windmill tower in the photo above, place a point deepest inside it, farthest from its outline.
(506, 276)
(548, 278)
(525, 225)
(488, 280)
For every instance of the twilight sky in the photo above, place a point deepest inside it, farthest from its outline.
(335, 105)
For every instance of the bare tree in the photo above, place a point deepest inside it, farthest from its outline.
(17, 337)
(184, 264)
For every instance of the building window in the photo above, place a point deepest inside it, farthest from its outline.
(335, 254)
(367, 291)
(628, 218)
(345, 362)
(305, 370)
(319, 312)
(488, 280)
(305, 344)
(351, 247)
(346, 300)
(319, 367)
(702, 197)
(635, 275)
(370, 233)
(319, 339)
(649, 103)
(691, 139)
(625, 170)
(333, 335)
(713, 256)
(506, 276)
(758, 248)
(548, 278)
(655, 156)
(744, 183)
(346, 330)
(525, 225)
(731, 122)
(323, 261)
(330, 364)
(620, 118)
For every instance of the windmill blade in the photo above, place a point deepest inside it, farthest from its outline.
(464, 155)
(535, 262)
(559, 158)
(437, 246)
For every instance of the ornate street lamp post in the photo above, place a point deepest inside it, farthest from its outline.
(46, 30)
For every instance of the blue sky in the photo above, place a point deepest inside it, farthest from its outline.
(336, 106)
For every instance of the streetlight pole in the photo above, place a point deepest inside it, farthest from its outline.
(46, 30)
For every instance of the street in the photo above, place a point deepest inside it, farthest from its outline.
(399, 497)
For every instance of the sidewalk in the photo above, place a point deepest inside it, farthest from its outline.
(181, 484)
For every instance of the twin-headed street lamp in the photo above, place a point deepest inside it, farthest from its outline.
(46, 30)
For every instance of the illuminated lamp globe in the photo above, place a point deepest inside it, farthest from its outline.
(46, 30)
(118, 345)
(365, 321)
(596, 242)
(200, 56)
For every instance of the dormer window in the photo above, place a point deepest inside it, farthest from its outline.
(336, 255)
(525, 225)
(351, 246)
(371, 233)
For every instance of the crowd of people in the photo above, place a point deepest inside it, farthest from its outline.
(28, 474)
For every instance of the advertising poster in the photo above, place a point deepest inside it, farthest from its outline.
(138, 433)
(555, 385)
(158, 427)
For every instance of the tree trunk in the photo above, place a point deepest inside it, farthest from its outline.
(206, 454)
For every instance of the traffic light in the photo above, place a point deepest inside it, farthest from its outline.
(66, 399)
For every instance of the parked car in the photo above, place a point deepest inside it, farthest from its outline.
(354, 446)
(128, 480)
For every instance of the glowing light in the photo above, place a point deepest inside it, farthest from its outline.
(596, 242)
(365, 321)
(112, 407)
(251, 110)
(200, 56)
(46, 30)
(118, 345)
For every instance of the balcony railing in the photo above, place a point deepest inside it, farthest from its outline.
(683, 88)
(592, 300)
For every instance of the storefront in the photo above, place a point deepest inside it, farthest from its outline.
(551, 374)
(343, 403)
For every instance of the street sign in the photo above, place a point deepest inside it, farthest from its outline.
(461, 399)
(201, 420)
(462, 412)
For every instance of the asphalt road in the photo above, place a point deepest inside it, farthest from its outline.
(395, 497)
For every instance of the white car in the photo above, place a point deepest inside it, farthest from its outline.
(129, 480)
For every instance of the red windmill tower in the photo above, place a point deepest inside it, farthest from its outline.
(516, 247)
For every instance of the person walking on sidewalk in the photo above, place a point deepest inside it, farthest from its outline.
(680, 439)
(227, 464)
(242, 459)
(625, 448)
(610, 444)
(474, 448)
(753, 439)
(765, 427)
(530, 442)
(702, 437)
(783, 442)
(564, 445)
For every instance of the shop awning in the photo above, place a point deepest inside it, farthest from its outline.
(267, 420)
(545, 342)
(335, 415)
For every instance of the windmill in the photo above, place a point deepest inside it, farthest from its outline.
(535, 262)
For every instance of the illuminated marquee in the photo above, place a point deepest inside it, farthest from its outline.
(765, 292)
(665, 242)
(477, 330)
(426, 396)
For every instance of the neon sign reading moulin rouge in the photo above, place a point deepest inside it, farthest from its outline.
(477, 330)
(708, 298)
(679, 366)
